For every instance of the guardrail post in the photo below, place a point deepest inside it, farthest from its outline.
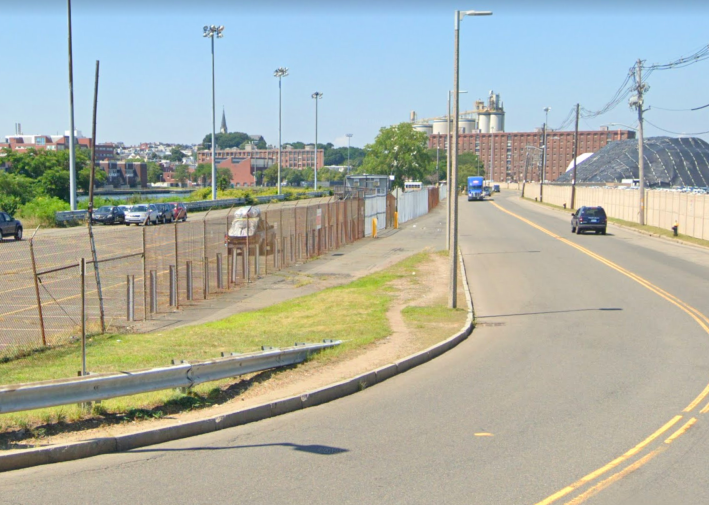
(220, 277)
(205, 270)
(130, 297)
(189, 280)
(153, 291)
(173, 285)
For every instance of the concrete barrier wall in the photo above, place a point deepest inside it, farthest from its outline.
(662, 208)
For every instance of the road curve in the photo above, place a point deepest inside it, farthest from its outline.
(579, 385)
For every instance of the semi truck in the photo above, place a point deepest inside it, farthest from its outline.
(475, 188)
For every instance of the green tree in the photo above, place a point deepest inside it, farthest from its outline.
(154, 172)
(270, 176)
(176, 154)
(203, 173)
(294, 177)
(399, 150)
(224, 178)
(469, 165)
(182, 173)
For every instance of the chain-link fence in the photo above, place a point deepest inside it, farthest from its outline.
(140, 272)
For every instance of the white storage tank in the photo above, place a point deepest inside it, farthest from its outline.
(484, 122)
(496, 123)
(425, 127)
(440, 127)
(466, 125)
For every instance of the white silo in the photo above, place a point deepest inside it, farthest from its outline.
(427, 128)
(496, 124)
(440, 127)
(484, 122)
(465, 125)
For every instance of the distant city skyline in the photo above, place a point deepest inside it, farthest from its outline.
(374, 65)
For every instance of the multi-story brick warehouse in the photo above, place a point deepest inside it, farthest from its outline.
(291, 158)
(513, 151)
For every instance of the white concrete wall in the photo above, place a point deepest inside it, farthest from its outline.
(662, 208)
(411, 204)
(375, 206)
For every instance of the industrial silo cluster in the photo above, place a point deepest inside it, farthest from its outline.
(484, 118)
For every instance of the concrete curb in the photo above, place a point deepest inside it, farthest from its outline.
(107, 445)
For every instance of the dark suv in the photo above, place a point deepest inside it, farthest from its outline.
(10, 227)
(165, 210)
(589, 218)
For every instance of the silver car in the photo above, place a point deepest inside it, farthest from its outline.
(142, 214)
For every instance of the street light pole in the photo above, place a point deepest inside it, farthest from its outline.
(211, 31)
(453, 255)
(449, 206)
(544, 155)
(349, 137)
(280, 73)
(316, 96)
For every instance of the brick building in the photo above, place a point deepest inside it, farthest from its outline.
(510, 152)
(21, 143)
(125, 173)
(264, 158)
(242, 173)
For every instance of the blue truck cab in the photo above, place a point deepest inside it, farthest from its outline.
(475, 188)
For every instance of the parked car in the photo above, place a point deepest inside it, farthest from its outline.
(179, 211)
(125, 208)
(108, 214)
(589, 219)
(10, 227)
(142, 214)
(164, 213)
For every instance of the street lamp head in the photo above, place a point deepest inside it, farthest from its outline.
(214, 28)
(475, 13)
(317, 95)
(206, 29)
(547, 109)
(280, 72)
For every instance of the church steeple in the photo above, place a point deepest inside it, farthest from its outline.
(223, 128)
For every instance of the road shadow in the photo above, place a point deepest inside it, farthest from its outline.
(603, 309)
(322, 450)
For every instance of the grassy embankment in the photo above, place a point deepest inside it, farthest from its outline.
(355, 313)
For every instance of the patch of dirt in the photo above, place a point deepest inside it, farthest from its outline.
(424, 287)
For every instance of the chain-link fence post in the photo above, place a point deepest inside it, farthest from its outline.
(36, 290)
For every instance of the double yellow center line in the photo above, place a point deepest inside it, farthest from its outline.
(695, 314)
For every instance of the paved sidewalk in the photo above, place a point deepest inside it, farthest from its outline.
(333, 268)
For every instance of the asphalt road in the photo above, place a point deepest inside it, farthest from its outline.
(576, 387)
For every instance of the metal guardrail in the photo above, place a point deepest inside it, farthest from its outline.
(36, 395)
(80, 215)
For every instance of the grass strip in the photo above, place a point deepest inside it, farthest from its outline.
(355, 313)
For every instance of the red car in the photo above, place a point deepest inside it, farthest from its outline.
(179, 211)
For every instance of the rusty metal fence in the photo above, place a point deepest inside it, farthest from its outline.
(146, 271)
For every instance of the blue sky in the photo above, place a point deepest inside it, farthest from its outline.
(374, 62)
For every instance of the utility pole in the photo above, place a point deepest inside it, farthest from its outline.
(448, 176)
(641, 88)
(72, 148)
(576, 153)
(544, 155)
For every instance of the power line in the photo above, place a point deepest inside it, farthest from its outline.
(682, 110)
(700, 55)
(675, 133)
(566, 122)
(622, 93)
